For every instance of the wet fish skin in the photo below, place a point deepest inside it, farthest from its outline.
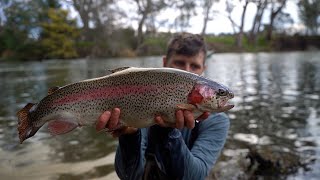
(140, 93)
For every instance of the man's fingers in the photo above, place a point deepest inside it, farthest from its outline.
(108, 119)
(103, 120)
(159, 121)
(114, 119)
(179, 119)
(189, 119)
(183, 118)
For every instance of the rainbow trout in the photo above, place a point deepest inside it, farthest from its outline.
(140, 93)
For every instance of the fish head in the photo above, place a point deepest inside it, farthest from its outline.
(210, 96)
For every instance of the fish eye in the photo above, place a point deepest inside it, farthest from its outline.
(222, 92)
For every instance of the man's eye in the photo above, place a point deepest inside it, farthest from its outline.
(195, 67)
(179, 63)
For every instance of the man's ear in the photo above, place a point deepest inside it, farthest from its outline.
(164, 61)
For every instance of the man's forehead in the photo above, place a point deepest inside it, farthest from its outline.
(196, 58)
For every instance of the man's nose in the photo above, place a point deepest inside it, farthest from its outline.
(187, 68)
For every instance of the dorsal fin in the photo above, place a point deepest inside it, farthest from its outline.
(53, 89)
(118, 69)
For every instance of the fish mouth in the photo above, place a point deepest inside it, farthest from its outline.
(224, 105)
(220, 107)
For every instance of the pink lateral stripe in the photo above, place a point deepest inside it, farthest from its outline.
(105, 93)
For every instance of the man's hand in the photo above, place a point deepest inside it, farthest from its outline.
(110, 120)
(183, 118)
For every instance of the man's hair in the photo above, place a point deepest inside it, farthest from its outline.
(186, 44)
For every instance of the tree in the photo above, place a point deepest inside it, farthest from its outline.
(282, 20)
(3, 5)
(58, 35)
(98, 19)
(147, 9)
(229, 8)
(44, 7)
(17, 33)
(276, 8)
(309, 12)
(206, 6)
(94, 14)
(255, 29)
(186, 9)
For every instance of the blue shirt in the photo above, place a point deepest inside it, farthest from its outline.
(170, 147)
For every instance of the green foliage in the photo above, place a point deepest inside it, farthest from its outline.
(261, 45)
(225, 39)
(16, 46)
(41, 30)
(154, 45)
(122, 42)
(15, 34)
(58, 35)
(37, 30)
(220, 43)
(226, 43)
(309, 11)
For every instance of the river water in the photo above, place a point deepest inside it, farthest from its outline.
(277, 113)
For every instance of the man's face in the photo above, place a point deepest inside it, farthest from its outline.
(194, 64)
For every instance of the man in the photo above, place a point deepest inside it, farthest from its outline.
(185, 150)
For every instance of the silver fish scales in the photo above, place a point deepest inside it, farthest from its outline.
(140, 93)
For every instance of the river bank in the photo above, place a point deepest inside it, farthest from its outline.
(227, 44)
(155, 45)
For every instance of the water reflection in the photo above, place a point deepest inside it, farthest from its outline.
(277, 112)
(274, 93)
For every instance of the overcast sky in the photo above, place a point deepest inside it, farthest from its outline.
(220, 23)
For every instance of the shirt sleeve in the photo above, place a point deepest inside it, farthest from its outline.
(129, 160)
(197, 163)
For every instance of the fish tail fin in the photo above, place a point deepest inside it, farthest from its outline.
(25, 128)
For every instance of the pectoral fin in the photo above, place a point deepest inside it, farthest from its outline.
(189, 107)
(61, 126)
